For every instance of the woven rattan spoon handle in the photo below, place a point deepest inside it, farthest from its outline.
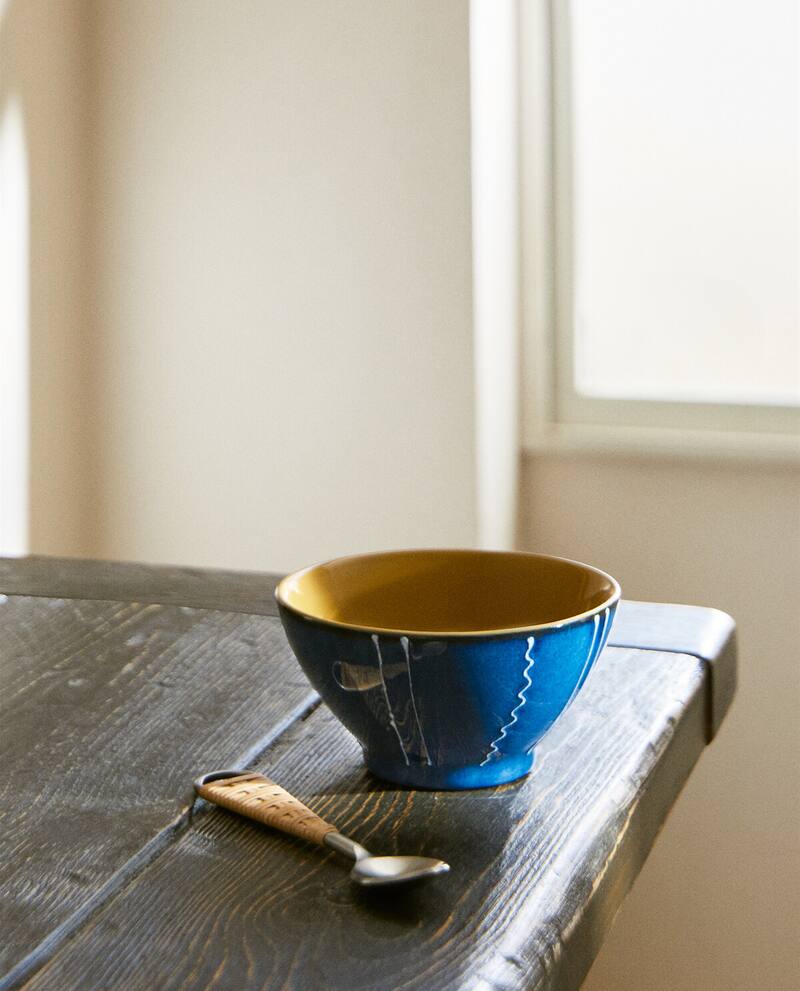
(252, 795)
(258, 798)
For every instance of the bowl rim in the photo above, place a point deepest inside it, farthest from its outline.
(612, 600)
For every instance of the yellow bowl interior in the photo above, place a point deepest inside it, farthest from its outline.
(447, 591)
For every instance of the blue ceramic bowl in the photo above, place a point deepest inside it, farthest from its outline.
(448, 666)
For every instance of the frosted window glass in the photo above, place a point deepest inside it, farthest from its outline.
(685, 185)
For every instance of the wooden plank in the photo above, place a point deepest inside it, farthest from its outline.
(107, 711)
(538, 867)
(204, 588)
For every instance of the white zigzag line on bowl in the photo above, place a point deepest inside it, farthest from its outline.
(494, 749)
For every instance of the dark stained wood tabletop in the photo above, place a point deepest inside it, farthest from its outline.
(121, 683)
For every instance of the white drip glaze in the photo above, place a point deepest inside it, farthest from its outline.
(392, 720)
(405, 645)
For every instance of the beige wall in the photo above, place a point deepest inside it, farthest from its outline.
(43, 66)
(281, 280)
(716, 906)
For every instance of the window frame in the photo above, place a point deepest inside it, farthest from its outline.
(554, 415)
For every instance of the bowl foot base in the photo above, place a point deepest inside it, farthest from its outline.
(498, 771)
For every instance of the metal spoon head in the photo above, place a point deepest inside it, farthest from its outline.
(376, 871)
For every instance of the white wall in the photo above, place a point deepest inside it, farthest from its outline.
(716, 907)
(43, 72)
(281, 275)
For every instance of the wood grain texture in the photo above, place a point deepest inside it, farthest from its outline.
(107, 712)
(709, 634)
(108, 709)
(204, 588)
(538, 867)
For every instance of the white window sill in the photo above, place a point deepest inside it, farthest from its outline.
(652, 442)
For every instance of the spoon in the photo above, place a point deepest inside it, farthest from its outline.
(252, 795)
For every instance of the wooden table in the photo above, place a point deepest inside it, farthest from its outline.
(119, 683)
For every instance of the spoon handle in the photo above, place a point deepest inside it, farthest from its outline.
(258, 798)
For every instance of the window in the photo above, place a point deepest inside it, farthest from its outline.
(13, 330)
(660, 225)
